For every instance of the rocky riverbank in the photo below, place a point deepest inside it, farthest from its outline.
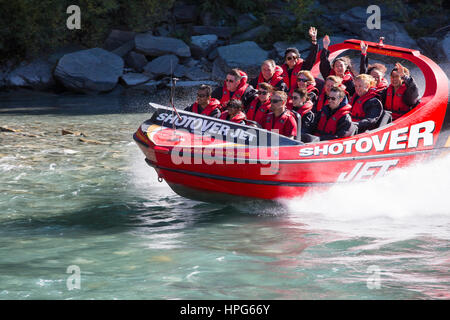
(144, 62)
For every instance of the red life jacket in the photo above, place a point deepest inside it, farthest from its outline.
(258, 113)
(394, 102)
(238, 118)
(277, 77)
(213, 105)
(238, 93)
(305, 108)
(322, 100)
(310, 88)
(382, 85)
(280, 123)
(292, 81)
(329, 126)
(357, 105)
(348, 76)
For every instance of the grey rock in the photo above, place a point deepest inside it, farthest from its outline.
(246, 56)
(432, 48)
(354, 19)
(136, 61)
(221, 32)
(192, 84)
(246, 21)
(158, 46)
(217, 72)
(203, 44)
(37, 75)
(133, 79)
(148, 87)
(117, 38)
(441, 32)
(393, 32)
(124, 49)
(92, 70)
(180, 71)
(281, 46)
(185, 13)
(163, 31)
(445, 47)
(195, 73)
(213, 54)
(251, 34)
(162, 66)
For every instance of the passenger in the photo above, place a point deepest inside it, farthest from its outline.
(272, 74)
(293, 63)
(280, 120)
(303, 105)
(402, 95)
(235, 86)
(234, 112)
(260, 106)
(376, 70)
(331, 81)
(205, 104)
(334, 120)
(341, 67)
(366, 107)
(305, 80)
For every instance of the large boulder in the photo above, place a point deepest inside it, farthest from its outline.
(281, 46)
(251, 34)
(247, 56)
(221, 32)
(159, 46)
(202, 45)
(355, 19)
(36, 75)
(136, 61)
(195, 73)
(432, 47)
(134, 79)
(444, 46)
(162, 66)
(92, 70)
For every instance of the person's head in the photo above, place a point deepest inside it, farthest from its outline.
(305, 78)
(377, 71)
(204, 95)
(234, 106)
(335, 97)
(268, 69)
(264, 91)
(396, 79)
(278, 102)
(291, 56)
(233, 79)
(341, 65)
(363, 83)
(299, 97)
(330, 82)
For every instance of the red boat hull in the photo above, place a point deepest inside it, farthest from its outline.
(220, 170)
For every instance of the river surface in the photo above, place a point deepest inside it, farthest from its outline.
(89, 220)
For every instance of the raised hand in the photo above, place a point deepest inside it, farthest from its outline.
(326, 42)
(313, 34)
(364, 47)
(400, 69)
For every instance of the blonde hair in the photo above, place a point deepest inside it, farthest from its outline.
(367, 79)
(265, 86)
(335, 79)
(307, 74)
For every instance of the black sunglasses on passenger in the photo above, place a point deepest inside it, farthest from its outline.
(275, 100)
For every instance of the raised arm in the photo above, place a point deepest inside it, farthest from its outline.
(309, 62)
(325, 66)
(364, 63)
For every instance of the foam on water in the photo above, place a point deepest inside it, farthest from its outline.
(407, 201)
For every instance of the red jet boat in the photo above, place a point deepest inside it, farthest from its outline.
(212, 160)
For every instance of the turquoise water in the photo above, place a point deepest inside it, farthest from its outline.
(97, 207)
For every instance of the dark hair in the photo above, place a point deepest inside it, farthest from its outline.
(207, 88)
(338, 90)
(294, 50)
(235, 103)
(376, 66)
(347, 61)
(235, 73)
(265, 86)
(302, 93)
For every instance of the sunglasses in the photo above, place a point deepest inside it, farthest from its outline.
(229, 80)
(291, 58)
(332, 98)
(262, 92)
(202, 95)
(302, 80)
(275, 100)
(295, 98)
(232, 107)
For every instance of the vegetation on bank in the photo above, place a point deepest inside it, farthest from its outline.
(30, 28)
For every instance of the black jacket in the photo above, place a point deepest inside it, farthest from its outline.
(325, 69)
(373, 109)
(215, 113)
